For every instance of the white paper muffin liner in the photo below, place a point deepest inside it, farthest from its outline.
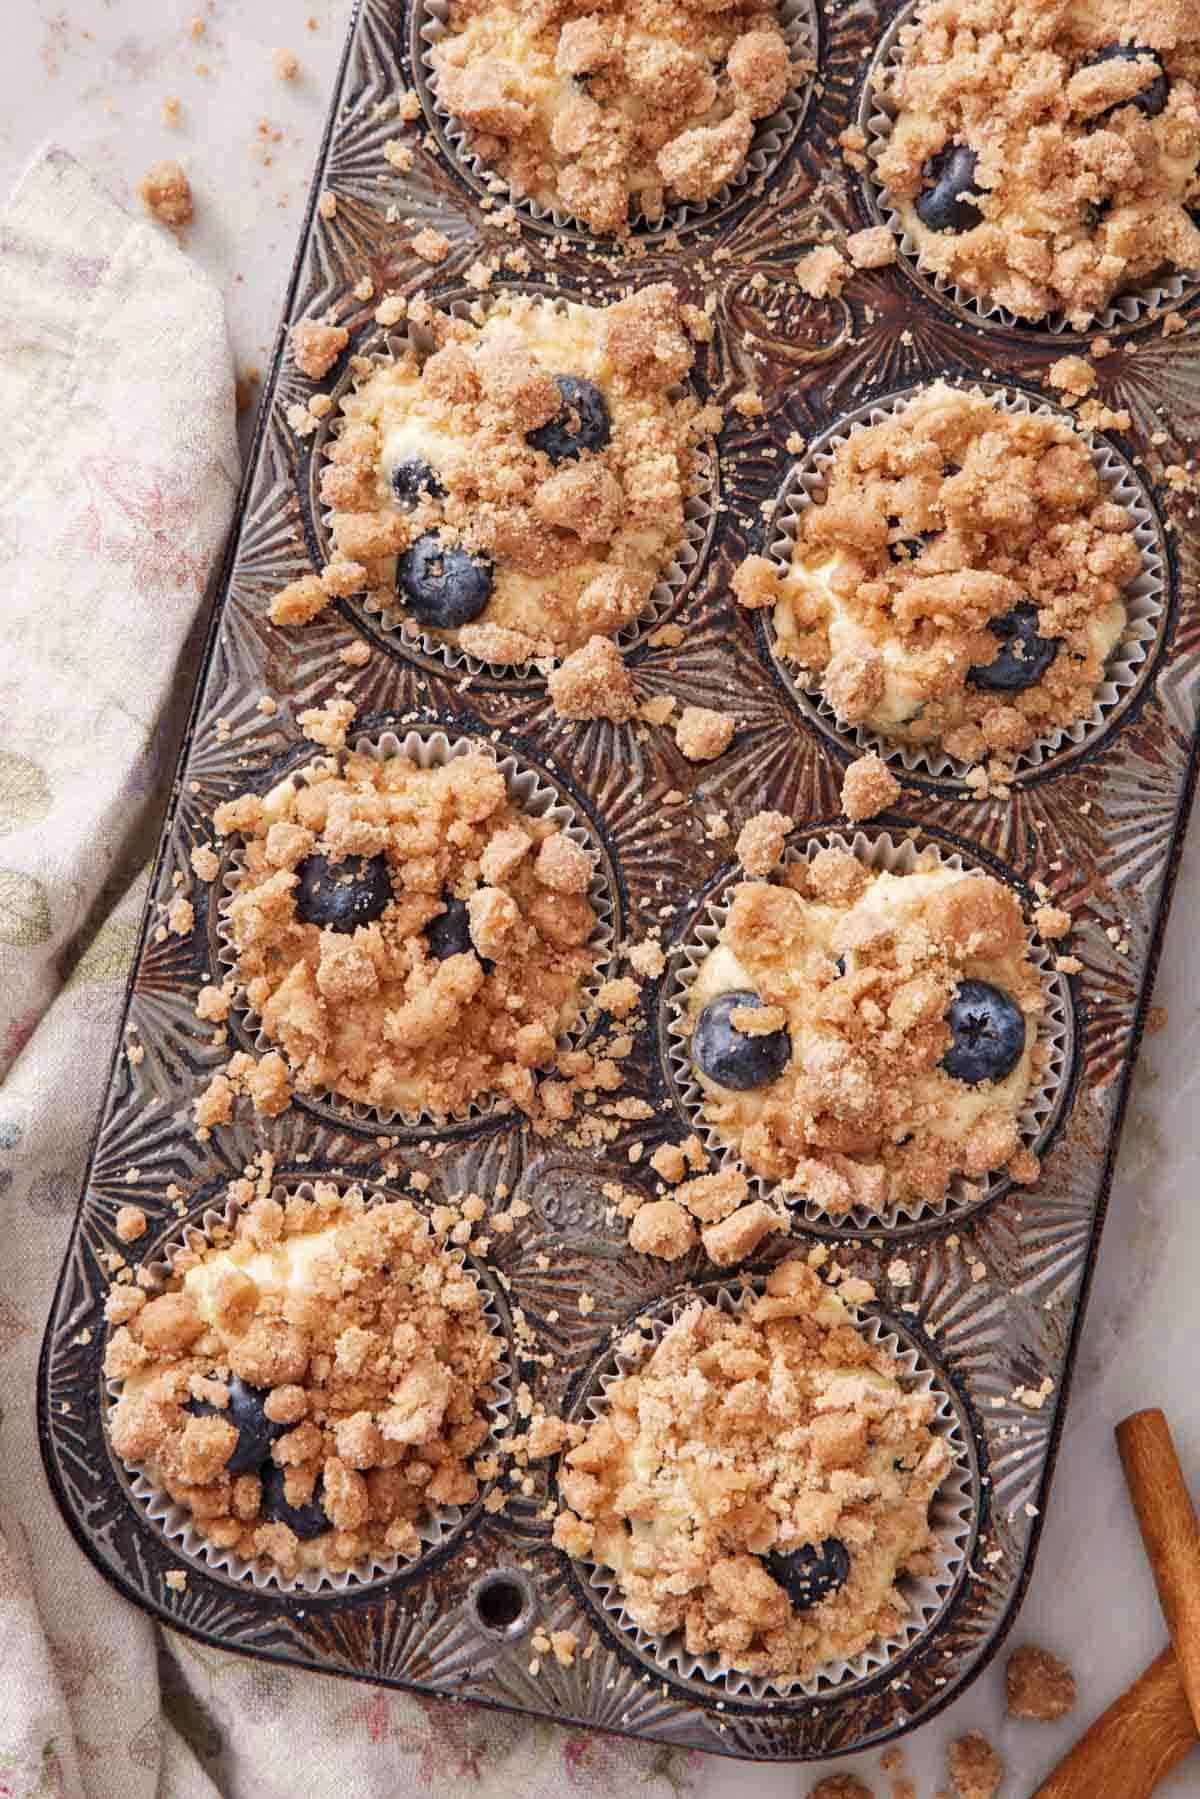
(437, 1527)
(699, 512)
(772, 135)
(1145, 597)
(953, 1514)
(1038, 1117)
(877, 122)
(431, 748)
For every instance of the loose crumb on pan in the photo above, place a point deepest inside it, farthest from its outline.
(1038, 1684)
(975, 1768)
(287, 65)
(868, 787)
(841, 1786)
(317, 346)
(167, 194)
(703, 734)
(761, 842)
(593, 682)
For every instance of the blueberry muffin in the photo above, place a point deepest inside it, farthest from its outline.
(863, 1037)
(762, 1483)
(310, 1386)
(409, 937)
(1045, 156)
(962, 581)
(522, 489)
(612, 113)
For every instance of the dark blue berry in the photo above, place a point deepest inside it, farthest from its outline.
(811, 1573)
(442, 584)
(728, 1056)
(414, 480)
(1024, 656)
(256, 1432)
(580, 424)
(947, 201)
(987, 1030)
(339, 896)
(1153, 97)
(308, 1521)
(907, 549)
(1096, 211)
(449, 934)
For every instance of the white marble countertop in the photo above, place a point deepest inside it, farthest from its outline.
(94, 74)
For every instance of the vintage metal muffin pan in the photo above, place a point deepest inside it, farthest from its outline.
(987, 1296)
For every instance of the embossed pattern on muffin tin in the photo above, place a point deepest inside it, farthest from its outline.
(995, 1295)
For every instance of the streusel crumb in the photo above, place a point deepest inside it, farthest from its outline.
(167, 194)
(379, 955)
(739, 1441)
(1038, 1684)
(761, 842)
(874, 248)
(703, 734)
(868, 787)
(854, 974)
(316, 347)
(841, 1786)
(822, 272)
(975, 1768)
(130, 1223)
(522, 489)
(313, 1387)
(605, 114)
(954, 544)
(593, 682)
(1053, 149)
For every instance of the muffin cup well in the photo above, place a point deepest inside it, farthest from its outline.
(877, 122)
(772, 136)
(1040, 1114)
(1146, 598)
(392, 621)
(954, 1512)
(531, 794)
(174, 1522)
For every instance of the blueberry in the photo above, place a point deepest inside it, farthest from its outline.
(811, 1573)
(449, 934)
(1012, 672)
(414, 480)
(987, 1028)
(308, 1521)
(1153, 97)
(339, 896)
(443, 585)
(731, 1058)
(256, 1432)
(907, 549)
(580, 424)
(1096, 211)
(947, 201)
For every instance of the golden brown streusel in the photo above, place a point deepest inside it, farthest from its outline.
(371, 1014)
(565, 549)
(601, 114)
(1038, 1685)
(937, 521)
(863, 1114)
(167, 194)
(1078, 192)
(370, 1343)
(740, 1437)
(975, 1768)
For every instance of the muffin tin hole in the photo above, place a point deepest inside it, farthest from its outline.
(1129, 666)
(502, 1604)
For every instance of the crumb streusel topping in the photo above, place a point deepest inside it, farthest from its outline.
(311, 1385)
(761, 1483)
(605, 113)
(854, 973)
(1051, 145)
(961, 582)
(523, 488)
(409, 937)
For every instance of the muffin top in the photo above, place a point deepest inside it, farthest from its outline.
(522, 489)
(611, 112)
(409, 937)
(1045, 154)
(961, 581)
(760, 1482)
(865, 1036)
(309, 1384)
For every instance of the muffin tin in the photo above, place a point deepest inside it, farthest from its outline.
(986, 1297)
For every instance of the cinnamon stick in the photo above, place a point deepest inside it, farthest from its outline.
(1134, 1744)
(1171, 1534)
